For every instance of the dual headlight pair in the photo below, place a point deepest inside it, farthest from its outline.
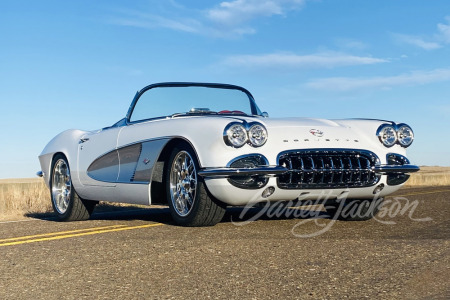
(390, 135)
(238, 134)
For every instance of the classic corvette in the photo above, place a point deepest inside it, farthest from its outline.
(200, 147)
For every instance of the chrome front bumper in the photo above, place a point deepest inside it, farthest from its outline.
(277, 170)
(389, 169)
(227, 172)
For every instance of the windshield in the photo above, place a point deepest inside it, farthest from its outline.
(163, 101)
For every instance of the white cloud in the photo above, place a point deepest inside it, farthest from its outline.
(138, 19)
(294, 61)
(234, 13)
(228, 19)
(413, 78)
(435, 41)
(417, 41)
(350, 44)
(444, 31)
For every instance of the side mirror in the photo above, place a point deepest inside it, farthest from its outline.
(264, 115)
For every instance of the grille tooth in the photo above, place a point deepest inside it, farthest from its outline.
(327, 168)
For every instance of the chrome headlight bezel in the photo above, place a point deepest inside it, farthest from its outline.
(235, 135)
(257, 134)
(405, 135)
(238, 134)
(387, 134)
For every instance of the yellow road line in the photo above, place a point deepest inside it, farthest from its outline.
(65, 236)
(57, 233)
(421, 193)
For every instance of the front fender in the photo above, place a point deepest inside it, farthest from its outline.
(66, 143)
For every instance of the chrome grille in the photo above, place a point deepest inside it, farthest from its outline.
(333, 168)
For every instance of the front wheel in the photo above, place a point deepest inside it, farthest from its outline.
(65, 201)
(189, 201)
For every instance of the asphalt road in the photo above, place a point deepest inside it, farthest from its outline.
(140, 254)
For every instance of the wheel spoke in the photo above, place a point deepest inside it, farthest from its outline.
(183, 183)
(61, 186)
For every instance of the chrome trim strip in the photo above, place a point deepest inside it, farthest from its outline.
(226, 172)
(386, 169)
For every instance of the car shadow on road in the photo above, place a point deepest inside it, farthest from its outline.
(161, 214)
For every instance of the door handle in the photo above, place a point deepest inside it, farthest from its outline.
(84, 139)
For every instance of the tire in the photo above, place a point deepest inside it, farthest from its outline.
(67, 205)
(354, 210)
(189, 201)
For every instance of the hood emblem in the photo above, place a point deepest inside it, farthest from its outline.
(316, 132)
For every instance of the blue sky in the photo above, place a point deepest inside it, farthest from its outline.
(78, 64)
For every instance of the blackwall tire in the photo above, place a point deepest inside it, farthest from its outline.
(189, 201)
(66, 203)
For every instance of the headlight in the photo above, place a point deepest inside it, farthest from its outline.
(387, 135)
(235, 135)
(405, 135)
(257, 135)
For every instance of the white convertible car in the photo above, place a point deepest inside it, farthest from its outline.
(199, 147)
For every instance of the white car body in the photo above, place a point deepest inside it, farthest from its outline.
(127, 174)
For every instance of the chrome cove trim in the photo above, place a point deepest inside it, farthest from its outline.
(134, 163)
(227, 172)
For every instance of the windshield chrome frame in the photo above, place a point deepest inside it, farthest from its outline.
(253, 106)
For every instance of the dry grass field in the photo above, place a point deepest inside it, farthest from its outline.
(430, 176)
(20, 197)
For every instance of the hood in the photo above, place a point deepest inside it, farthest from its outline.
(307, 129)
(299, 123)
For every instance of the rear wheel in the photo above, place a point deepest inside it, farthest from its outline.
(354, 210)
(66, 203)
(189, 201)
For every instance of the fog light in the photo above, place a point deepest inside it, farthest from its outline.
(268, 192)
(378, 189)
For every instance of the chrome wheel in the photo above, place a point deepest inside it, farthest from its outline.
(61, 186)
(183, 183)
